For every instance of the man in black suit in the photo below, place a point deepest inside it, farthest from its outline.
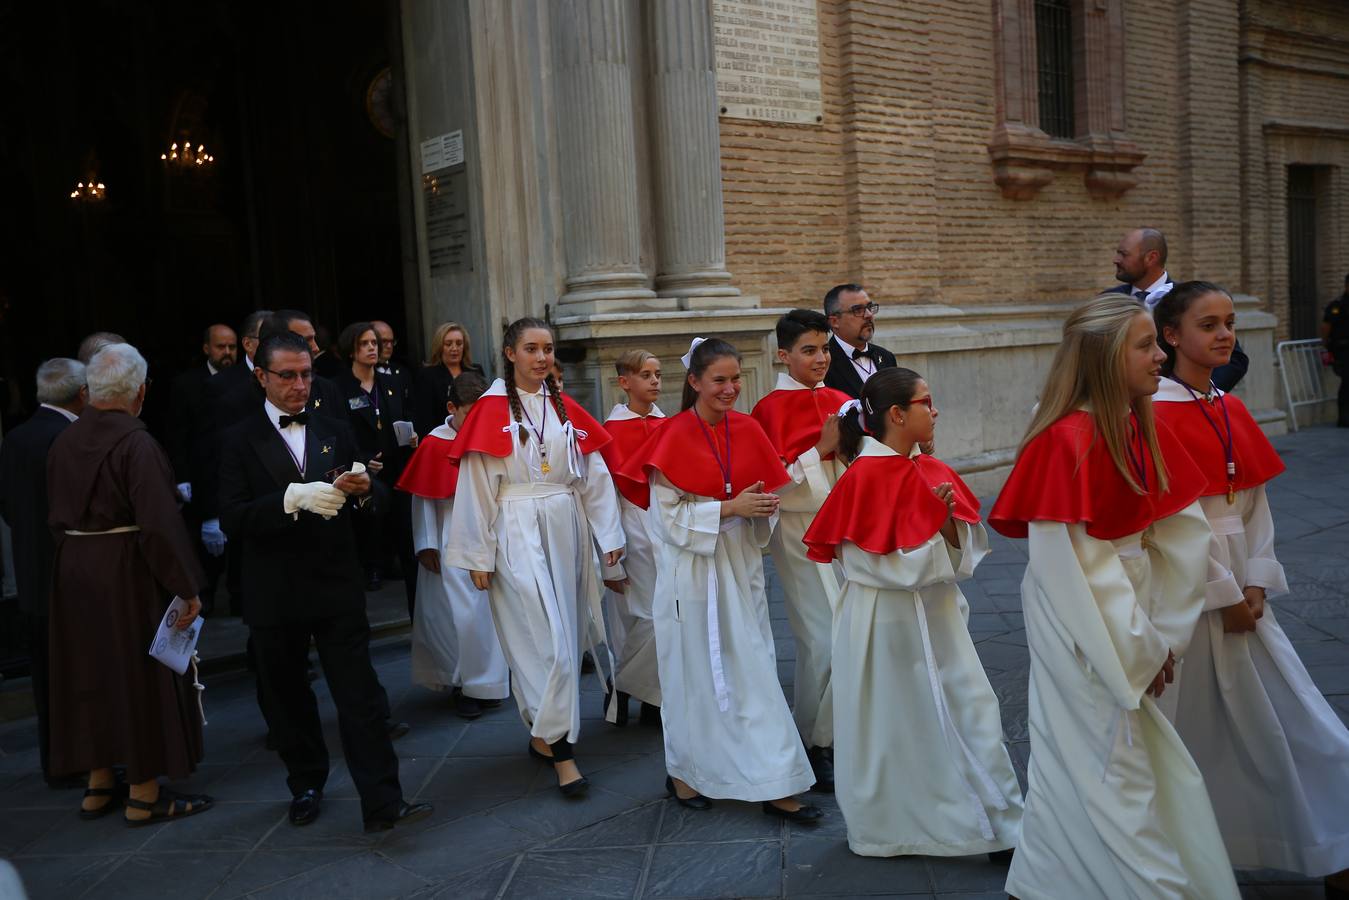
(288, 493)
(852, 357)
(1140, 267)
(23, 504)
(187, 405)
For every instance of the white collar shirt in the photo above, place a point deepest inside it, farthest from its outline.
(292, 434)
(211, 369)
(65, 412)
(1154, 292)
(865, 367)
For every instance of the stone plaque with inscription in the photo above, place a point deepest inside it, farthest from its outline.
(446, 195)
(768, 59)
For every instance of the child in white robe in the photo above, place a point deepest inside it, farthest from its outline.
(799, 418)
(1274, 753)
(532, 497)
(728, 731)
(922, 767)
(1115, 806)
(632, 584)
(454, 642)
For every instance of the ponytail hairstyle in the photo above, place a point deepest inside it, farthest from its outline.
(702, 356)
(888, 387)
(1088, 372)
(514, 332)
(1172, 307)
(466, 389)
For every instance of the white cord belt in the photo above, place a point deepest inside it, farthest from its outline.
(1225, 525)
(524, 490)
(120, 529)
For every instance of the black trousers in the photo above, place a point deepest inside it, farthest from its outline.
(38, 656)
(212, 566)
(343, 644)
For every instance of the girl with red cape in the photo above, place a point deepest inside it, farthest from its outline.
(454, 642)
(1115, 806)
(921, 768)
(533, 495)
(1274, 753)
(706, 477)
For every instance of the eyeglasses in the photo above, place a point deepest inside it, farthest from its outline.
(926, 401)
(862, 309)
(288, 376)
(388, 342)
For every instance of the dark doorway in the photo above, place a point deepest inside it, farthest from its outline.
(287, 197)
(1303, 296)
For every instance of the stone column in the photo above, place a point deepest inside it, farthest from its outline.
(686, 151)
(596, 165)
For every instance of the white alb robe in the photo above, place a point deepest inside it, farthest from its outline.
(1115, 808)
(1273, 752)
(454, 642)
(534, 531)
(810, 589)
(632, 633)
(920, 763)
(728, 731)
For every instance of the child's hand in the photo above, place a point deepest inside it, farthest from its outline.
(946, 493)
(828, 441)
(617, 585)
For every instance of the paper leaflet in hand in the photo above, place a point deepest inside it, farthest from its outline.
(172, 647)
(403, 431)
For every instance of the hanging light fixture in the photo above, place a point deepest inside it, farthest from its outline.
(91, 191)
(182, 157)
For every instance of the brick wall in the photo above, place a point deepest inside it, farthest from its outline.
(895, 187)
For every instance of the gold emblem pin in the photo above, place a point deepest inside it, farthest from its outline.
(318, 403)
(326, 449)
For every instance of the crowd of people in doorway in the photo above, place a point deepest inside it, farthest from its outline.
(1174, 731)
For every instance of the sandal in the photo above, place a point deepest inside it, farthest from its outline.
(169, 805)
(117, 791)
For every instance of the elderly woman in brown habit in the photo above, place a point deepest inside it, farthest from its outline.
(121, 552)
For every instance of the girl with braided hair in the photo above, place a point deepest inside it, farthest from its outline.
(532, 497)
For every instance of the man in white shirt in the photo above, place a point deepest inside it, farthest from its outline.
(852, 357)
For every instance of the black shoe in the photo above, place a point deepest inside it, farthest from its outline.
(822, 764)
(398, 729)
(650, 715)
(697, 801)
(806, 815)
(465, 707)
(304, 807)
(574, 790)
(587, 662)
(490, 704)
(407, 814)
(1001, 857)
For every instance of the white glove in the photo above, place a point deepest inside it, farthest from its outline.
(213, 537)
(315, 497)
(185, 491)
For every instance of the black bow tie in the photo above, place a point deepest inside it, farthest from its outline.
(300, 418)
(868, 353)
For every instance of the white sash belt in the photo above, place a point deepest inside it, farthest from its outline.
(524, 490)
(1227, 525)
(714, 625)
(951, 735)
(120, 529)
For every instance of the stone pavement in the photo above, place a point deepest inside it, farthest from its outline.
(502, 830)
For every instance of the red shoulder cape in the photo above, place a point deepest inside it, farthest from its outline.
(679, 451)
(1256, 459)
(482, 431)
(1066, 475)
(885, 503)
(792, 419)
(431, 473)
(628, 435)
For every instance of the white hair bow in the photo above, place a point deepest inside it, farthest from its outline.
(687, 358)
(849, 406)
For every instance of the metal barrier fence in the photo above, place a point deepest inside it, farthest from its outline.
(1303, 375)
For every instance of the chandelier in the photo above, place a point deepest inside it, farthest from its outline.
(91, 191)
(182, 157)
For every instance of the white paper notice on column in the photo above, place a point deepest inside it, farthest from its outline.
(442, 151)
(768, 59)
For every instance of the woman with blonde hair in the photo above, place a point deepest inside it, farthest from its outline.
(450, 355)
(1115, 805)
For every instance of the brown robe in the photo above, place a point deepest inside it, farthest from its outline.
(110, 702)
